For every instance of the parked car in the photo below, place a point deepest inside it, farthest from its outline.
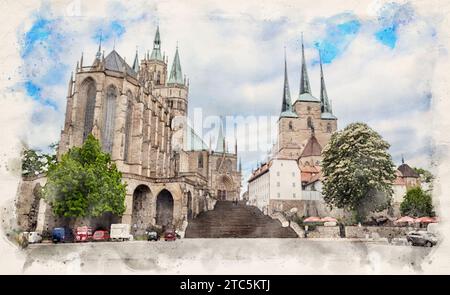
(121, 232)
(34, 237)
(170, 235)
(62, 235)
(421, 238)
(83, 234)
(100, 235)
(152, 236)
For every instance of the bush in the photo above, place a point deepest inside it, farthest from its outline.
(417, 203)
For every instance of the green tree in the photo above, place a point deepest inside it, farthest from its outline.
(417, 203)
(85, 183)
(35, 162)
(358, 171)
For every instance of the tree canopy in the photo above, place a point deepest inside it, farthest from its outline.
(85, 183)
(358, 171)
(35, 162)
(417, 203)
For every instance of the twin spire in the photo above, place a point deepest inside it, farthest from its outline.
(286, 107)
(305, 90)
(304, 80)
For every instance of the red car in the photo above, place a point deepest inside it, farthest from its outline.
(83, 234)
(100, 235)
(170, 235)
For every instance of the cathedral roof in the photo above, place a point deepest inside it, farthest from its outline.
(307, 97)
(114, 62)
(176, 77)
(195, 142)
(312, 148)
(407, 171)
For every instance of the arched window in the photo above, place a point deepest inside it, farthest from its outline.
(329, 129)
(290, 126)
(88, 89)
(309, 123)
(200, 160)
(109, 110)
(158, 78)
(128, 122)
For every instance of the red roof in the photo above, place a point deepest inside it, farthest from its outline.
(312, 148)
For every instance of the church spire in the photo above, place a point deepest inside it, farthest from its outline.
(99, 51)
(220, 145)
(324, 102)
(286, 107)
(304, 80)
(136, 62)
(156, 53)
(176, 76)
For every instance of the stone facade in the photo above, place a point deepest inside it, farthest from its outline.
(134, 112)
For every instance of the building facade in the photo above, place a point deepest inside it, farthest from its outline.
(139, 113)
(304, 127)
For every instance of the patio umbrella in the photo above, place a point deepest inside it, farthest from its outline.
(425, 220)
(312, 219)
(328, 219)
(405, 219)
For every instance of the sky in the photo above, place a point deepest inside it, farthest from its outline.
(379, 58)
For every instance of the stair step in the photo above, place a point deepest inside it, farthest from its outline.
(229, 220)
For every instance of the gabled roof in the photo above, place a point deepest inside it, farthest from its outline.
(312, 148)
(114, 62)
(407, 171)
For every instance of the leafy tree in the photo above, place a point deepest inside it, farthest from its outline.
(34, 162)
(358, 171)
(417, 203)
(85, 183)
(425, 175)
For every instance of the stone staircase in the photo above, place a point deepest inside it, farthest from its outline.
(229, 220)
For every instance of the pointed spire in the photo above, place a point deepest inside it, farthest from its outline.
(176, 76)
(69, 92)
(240, 165)
(156, 53)
(136, 62)
(403, 159)
(325, 104)
(304, 80)
(99, 51)
(81, 61)
(220, 146)
(286, 107)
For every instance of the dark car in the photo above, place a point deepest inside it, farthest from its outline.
(152, 236)
(62, 235)
(421, 238)
(100, 235)
(170, 235)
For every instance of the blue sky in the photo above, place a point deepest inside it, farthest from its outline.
(234, 59)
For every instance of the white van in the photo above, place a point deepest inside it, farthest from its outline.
(120, 232)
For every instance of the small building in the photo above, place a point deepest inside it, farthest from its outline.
(274, 183)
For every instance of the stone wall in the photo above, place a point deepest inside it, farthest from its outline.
(363, 232)
(324, 232)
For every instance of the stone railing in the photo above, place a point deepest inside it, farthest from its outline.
(280, 217)
(297, 228)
